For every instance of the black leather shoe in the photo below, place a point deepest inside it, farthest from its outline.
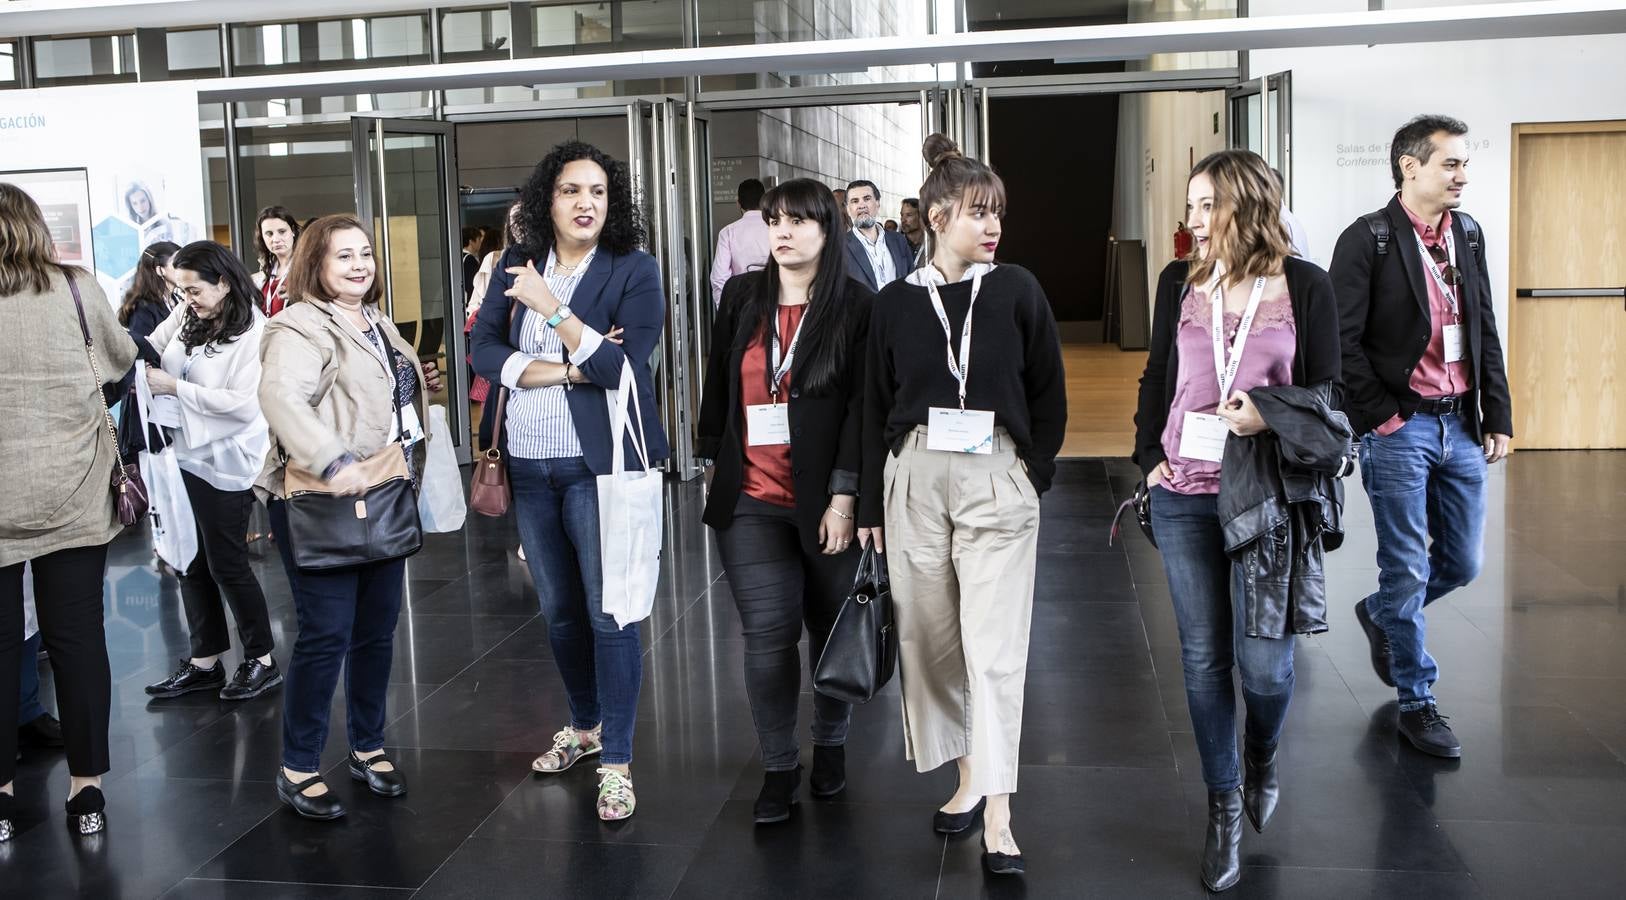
(8, 810)
(1222, 851)
(1377, 641)
(251, 680)
(44, 732)
(1425, 728)
(188, 679)
(829, 776)
(1260, 786)
(86, 811)
(384, 784)
(1003, 863)
(954, 823)
(777, 796)
(323, 808)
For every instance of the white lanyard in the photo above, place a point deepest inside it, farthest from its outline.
(962, 370)
(1439, 276)
(192, 357)
(781, 368)
(1227, 372)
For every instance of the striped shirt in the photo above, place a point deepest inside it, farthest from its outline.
(539, 424)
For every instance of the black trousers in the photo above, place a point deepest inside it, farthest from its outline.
(778, 587)
(68, 599)
(222, 569)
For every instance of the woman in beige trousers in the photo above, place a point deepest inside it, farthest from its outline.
(961, 437)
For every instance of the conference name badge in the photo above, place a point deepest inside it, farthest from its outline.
(1452, 338)
(960, 430)
(1202, 436)
(767, 424)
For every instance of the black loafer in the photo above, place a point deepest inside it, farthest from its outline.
(954, 823)
(1003, 863)
(829, 776)
(189, 679)
(87, 811)
(252, 679)
(322, 808)
(384, 784)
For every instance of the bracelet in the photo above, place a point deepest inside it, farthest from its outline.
(840, 513)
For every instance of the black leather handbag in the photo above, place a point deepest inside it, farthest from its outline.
(330, 531)
(862, 652)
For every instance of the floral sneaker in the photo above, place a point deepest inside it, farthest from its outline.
(569, 746)
(615, 798)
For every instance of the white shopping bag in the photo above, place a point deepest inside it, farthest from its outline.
(441, 504)
(630, 512)
(174, 530)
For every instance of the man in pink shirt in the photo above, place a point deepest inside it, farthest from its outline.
(1425, 385)
(742, 245)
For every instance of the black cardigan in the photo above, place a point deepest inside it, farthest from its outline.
(1318, 358)
(825, 426)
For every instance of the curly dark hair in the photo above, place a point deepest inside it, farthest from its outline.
(624, 220)
(217, 265)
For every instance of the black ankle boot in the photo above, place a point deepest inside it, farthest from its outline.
(778, 795)
(829, 776)
(1222, 852)
(86, 811)
(1260, 786)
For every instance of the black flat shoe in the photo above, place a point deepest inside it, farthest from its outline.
(323, 808)
(954, 823)
(1003, 863)
(252, 679)
(1377, 642)
(86, 811)
(384, 784)
(1222, 852)
(1261, 787)
(1426, 730)
(777, 796)
(189, 679)
(829, 776)
(44, 732)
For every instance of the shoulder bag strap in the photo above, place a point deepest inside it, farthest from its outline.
(95, 368)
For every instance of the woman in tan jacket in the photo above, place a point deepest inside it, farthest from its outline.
(335, 371)
(57, 456)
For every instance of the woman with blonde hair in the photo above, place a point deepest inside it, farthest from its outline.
(1241, 313)
(58, 456)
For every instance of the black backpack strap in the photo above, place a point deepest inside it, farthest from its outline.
(1469, 228)
(1378, 224)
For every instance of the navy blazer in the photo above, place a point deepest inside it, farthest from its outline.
(618, 290)
(903, 257)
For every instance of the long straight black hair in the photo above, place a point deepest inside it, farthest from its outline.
(216, 265)
(822, 349)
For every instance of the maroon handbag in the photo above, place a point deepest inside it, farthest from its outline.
(489, 494)
(129, 491)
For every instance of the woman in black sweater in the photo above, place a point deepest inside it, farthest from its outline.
(146, 305)
(782, 417)
(960, 440)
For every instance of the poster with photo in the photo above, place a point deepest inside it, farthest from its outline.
(63, 196)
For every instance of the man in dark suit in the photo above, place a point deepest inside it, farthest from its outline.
(1425, 386)
(471, 259)
(875, 256)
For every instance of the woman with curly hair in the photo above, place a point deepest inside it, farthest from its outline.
(577, 275)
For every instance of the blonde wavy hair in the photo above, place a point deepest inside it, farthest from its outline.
(27, 255)
(1246, 229)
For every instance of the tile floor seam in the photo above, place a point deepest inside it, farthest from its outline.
(368, 887)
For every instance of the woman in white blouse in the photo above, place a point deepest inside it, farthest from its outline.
(207, 396)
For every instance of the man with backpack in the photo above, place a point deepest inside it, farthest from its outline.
(1425, 386)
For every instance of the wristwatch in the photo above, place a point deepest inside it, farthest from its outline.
(559, 315)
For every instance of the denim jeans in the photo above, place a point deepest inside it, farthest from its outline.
(778, 586)
(29, 707)
(601, 664)
(346, 619)
(1427, 487)
(1207, 595)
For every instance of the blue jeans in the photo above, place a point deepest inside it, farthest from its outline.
(346, 619)
(1207, 595)
(29, 707)
(601, 664)
(1427, 487)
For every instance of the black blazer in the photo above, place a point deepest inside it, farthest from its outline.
(1384, 316)
(858, 267)
(826, 426)
(1316, 360)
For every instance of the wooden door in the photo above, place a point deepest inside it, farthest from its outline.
(1569, 234)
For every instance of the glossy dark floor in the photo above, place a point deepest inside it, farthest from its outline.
(1533, 658)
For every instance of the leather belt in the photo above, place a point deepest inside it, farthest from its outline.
(1442, 406)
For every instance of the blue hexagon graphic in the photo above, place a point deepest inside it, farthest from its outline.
(134, 598)
(117, 247)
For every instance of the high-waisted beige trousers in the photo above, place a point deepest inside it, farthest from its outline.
(962, 533)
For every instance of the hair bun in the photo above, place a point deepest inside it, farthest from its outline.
(938, 148)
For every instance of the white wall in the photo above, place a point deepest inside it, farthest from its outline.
(1348, 101)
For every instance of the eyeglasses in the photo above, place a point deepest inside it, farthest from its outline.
(1443, 260)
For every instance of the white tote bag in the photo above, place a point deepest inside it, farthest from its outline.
(174, 530)
(631, 506)
(441, 504)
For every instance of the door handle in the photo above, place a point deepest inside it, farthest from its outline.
(1540, 293)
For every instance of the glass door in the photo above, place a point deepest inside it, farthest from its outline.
(1261, 119)
(406, 190)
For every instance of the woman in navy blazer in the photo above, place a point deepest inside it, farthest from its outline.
(566, 308)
